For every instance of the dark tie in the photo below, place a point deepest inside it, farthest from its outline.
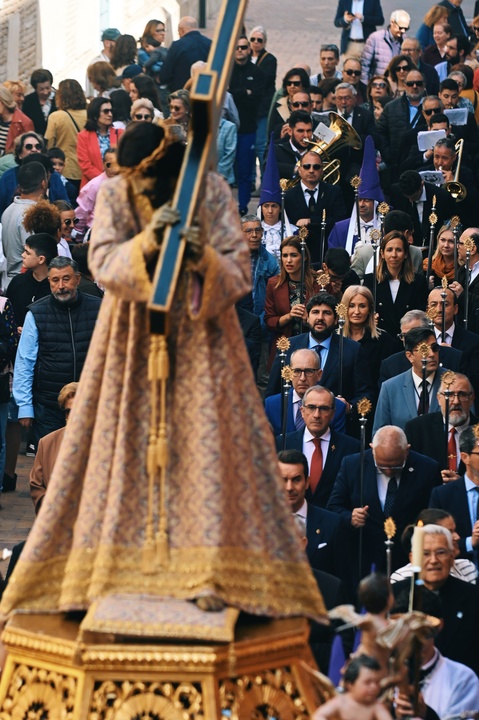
(317, 349)
(421, 397)
(316, 469)
(416, 224)
(477, 506)
(390, 496)
(299, 420)
(311, 202)
(452, 450)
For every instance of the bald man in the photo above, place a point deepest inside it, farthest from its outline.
(471, 279)
(191, 47)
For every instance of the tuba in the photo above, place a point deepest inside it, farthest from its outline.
(457, 190)
(344, 136)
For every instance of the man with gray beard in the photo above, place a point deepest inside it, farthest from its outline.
(426, 433)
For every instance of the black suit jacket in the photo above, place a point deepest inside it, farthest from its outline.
(330, 198)
(356, 377)
(445, 209)
(339, 446)
(452, 497)
(373, 16)
(468, 343)
(426, 435)
(473, 301)
(252, 334)
(286, 158)
(411, 296)
(419, 477)
(398, 363)
(327, 548)
(456, 20)
(467, 209)
(31, 107)
(459, 637)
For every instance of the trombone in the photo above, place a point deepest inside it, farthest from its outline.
(456, 189)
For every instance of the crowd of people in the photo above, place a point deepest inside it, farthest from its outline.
(374, 287)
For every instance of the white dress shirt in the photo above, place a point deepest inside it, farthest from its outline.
(308, 445)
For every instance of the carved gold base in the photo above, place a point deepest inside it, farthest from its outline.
(53, 672)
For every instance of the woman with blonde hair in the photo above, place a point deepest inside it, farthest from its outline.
(435, 14)
(142, 110)
(17, 88)
(443, 257)
(360, 325)
(12, 121)
(398, 288)
(284, 309)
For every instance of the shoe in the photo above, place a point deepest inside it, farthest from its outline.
(31, 450)
(9, 483)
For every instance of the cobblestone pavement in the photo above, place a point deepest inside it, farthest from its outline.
(16, 514)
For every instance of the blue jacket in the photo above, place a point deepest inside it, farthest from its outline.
(9, 182)
(266, 268)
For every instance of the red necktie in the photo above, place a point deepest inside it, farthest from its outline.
(452, 451)
(316, 468)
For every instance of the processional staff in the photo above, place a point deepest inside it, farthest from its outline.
(423, 349)
(323, 237)
(390, 530)
(282, 345)
(383, 209)
(455, 223)
(447, 380)
(468, 244)
(283, 183)
(364, 407)
(341, 312)
(303, 234)
(355, 183)
(432, 221)
(443, 308)
(286, 378)
(415, 603)
(375, 236)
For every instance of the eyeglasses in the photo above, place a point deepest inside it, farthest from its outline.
(107, 111)
(315, 166)
(400, 27)
(356, 73)
(68, 222)
(30, 146)
(461, 395)
(309, 372)
(402, 68)
(295, 83)
(417, 83)
(258, 40)
(139, 116)
(440, 554)
(318, 408)
(432, 111)
(473, 453)
(391, 468)
(298, 104)
(176, 108)
(475, 28)
(253, 231)
(378, 85)
(242, 47)
(434, 347)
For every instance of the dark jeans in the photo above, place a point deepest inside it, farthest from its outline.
(245, 156)
(47, 419)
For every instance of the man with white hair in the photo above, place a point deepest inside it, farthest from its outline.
(459, 638)
(382, 45)
(397, 483)
(182, 53)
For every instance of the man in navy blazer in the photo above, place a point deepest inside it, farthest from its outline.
(372, 16)
(461, 497)
(322, 321)
(334, 445)
(327, 533)
(400, 397)
(415, 476)
(307, 372)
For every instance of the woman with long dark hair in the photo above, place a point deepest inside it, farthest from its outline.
(65, 124)
(284, 309)
(398, 288)
(96, 138)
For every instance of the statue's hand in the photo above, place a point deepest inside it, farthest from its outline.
(164, 215)
(194, 242)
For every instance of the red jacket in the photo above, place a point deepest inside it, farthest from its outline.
(20, 124)
(88, 153)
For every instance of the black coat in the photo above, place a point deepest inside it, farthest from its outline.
(268, 65)
(373, 16)
(426, 435)
(286, 158)
(247, 87)
(445, 209)
(412, 296)
(473, 301)
(449, 358)
(468, 343)
(181, 55)
(330, 198)
(391, 126)
(31, 107)
(459, 637)
(339, 446)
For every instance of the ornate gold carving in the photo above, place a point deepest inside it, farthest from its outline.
(448, 378)
(444, 282)
(283, 183)
(431, 314)
(455, 221)
(341, 310)
(389, 528)
(323, 280)
(355, 182)
(383, 208)
(476, 430)
(303, 232)
(283, 343)
(433, 218)
(423, 349)
(375, 235)
(287, 373)
(38, 694)
(128, 700)
(364, 407)
(271, 693)
(469, 243)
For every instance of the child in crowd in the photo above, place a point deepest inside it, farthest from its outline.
(58, 159)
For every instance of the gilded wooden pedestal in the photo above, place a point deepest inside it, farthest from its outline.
(53, 672)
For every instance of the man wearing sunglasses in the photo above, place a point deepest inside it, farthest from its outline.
(352, 70)
(305, 202)
(382, 45)
(401, 397)
(412, 157)
(289, 151)
(412, 48)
